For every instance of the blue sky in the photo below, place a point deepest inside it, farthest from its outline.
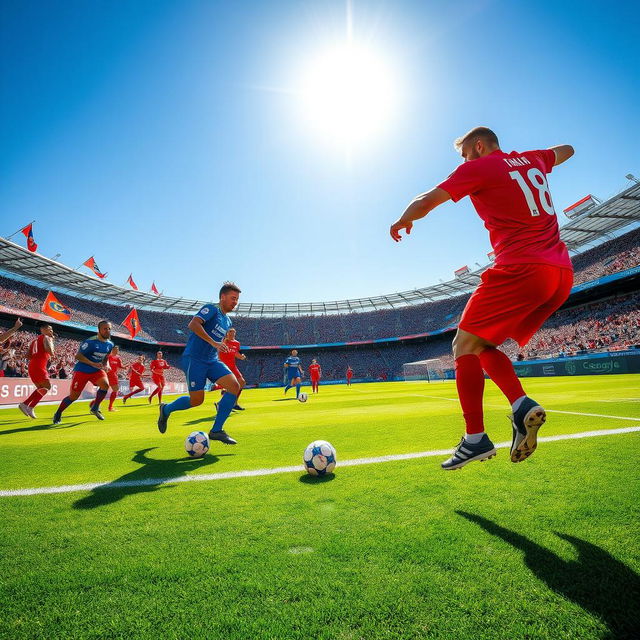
(168, 139)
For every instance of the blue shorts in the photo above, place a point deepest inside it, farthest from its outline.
(292, 374)
(198, 372)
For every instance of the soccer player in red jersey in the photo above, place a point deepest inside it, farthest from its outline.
(115, 364)
(531, 278)
(315, 373)
(136, 370)
(158, 367)
(349, 375)
(229, 358)
(40, 350)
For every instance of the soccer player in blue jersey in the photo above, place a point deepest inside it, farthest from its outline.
(293, 372)
(91, 366)
(200, 363)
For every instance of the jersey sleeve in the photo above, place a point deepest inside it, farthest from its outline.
(548, 157)
(207, 312)
(464, 181)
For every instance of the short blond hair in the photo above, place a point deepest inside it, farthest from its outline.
(483, 133)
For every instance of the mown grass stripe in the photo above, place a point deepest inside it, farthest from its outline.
(72, 488)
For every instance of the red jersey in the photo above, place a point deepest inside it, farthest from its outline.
(314, 370)
(229, 358)
(38, 357)
(349, 373)
(158, 367)
(115, 364)
(511, 195)
(137, 369)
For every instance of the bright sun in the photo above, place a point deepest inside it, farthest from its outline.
(348, 95)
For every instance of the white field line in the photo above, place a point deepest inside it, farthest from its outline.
(72, 488)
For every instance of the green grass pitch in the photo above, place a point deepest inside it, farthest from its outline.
(548, 548)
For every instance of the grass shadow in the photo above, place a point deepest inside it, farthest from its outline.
(40, 427)
(596, 581)
(283, 399)
(150, 476)
(309, 479)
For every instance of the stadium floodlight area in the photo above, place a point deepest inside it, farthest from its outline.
(595, 225)
(432, 370)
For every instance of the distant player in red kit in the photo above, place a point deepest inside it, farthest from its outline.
(315, 373)
(230, 358)
(158, 367)
(115, 364)
(136, 369)
(40, 350)
(349, 375)
(531, 278)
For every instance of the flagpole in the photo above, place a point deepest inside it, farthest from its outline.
(19, 230)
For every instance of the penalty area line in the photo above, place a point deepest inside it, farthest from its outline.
(252, 473)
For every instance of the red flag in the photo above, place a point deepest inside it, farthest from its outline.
(154, 289)
(28, 232)
(132, 323)
(93, 265)
(461, 271)
(54, 308)
(132, 283)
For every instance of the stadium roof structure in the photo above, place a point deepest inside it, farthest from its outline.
(594, 226)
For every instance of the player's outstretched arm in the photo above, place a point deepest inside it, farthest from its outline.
(7, 334)
(563, 152)
(418, 208)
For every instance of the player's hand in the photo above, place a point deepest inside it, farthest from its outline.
(221, 347)
(18, 323)
(397, 227)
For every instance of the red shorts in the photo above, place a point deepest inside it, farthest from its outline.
(135, 381)
(158, 380)
(38, 374)
(80, 379)
(112, 378)
(513, 301)
(315, 380)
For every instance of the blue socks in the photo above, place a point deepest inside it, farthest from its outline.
(298, 390)
(64, 404)
(100, 396)
(287, 387)
(224, 409)
(180, 404)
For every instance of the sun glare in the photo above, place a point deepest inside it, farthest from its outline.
(348, 95)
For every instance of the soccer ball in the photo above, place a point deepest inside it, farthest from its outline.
(197, 444)
(319, 458)
(302, 397)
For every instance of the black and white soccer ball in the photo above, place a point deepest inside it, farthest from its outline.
(303, 397)
(197, 444)
(319, 458)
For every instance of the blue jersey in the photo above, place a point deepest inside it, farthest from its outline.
(294, 364)
(216, 324)
(95, 350)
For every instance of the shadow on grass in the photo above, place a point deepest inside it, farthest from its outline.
(40, 427)
(596, 581)
(209, 419)
(309, 479)
(151, 476)
(283, 399)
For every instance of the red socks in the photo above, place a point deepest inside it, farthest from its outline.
(470, 384)
(35, 397)
(112, 399)
(500, 369)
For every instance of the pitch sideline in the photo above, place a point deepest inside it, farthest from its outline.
(73, 488)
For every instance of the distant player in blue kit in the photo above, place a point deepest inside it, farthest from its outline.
(200, 363)
(293, 372)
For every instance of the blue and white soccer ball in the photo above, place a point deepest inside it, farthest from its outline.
(319, 458)
(197, 444)
(302, 397)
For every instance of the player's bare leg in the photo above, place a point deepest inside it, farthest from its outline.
(242, 382)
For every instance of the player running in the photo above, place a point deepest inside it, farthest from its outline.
(136, 385)
(315, 373)
(115, 364)
(229, 358)
(200, 363)
(91, 366)
(40, 351)
(530, 279)
(349, 375)
(293, 372)
(158, 367)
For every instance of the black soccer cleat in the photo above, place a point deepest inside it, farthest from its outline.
(525, 423)
(215, 404)
(237, 408)
(466, 452)
(162, 419)
(57, 417)
(96, 412)
(221, 436)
